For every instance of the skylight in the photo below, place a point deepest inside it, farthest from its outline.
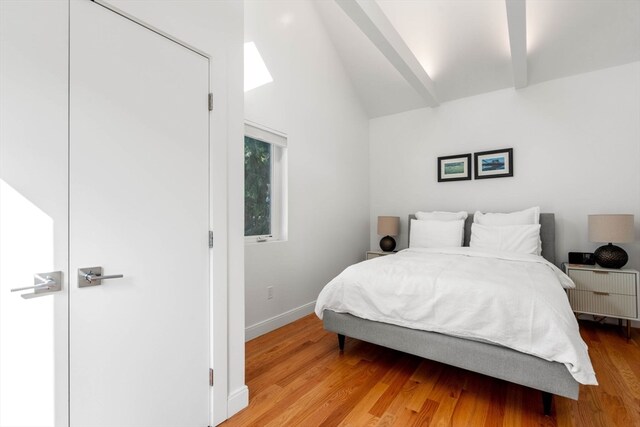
(256, 73)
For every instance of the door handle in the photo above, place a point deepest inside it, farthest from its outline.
(92, 276)
(44, 284)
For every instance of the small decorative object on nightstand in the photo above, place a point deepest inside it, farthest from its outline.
(388, 226)
(611, 229)
(605, 292)
(376, 254)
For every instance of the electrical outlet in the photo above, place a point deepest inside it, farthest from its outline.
(269, 292)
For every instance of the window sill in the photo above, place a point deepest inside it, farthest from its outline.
(254, 242)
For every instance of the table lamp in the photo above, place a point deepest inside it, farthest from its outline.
(388, 226)
(611, 228)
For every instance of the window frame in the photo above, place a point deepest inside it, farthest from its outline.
(278, 145)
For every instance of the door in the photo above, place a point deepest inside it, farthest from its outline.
(117, 178)
(33, 211)
(138, 180)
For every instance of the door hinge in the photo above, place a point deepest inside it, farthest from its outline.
(210, 239)
(211, 377)
(210, 102)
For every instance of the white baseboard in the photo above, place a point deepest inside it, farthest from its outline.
(238, 400)
(278, 321)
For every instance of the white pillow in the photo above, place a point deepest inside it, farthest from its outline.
(522, 239)
(436, 234)
(441, 216)
(525, 217)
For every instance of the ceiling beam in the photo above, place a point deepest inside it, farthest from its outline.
(368, 16)
(517, 21)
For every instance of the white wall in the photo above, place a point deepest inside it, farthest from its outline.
(216, 28)
(576, 146)
(313, 102)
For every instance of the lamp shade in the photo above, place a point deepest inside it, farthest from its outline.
(388, 225)
(612, 228)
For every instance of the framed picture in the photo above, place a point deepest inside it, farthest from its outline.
(454, 168)
(494, 164)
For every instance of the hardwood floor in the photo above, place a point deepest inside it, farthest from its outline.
(297, 377)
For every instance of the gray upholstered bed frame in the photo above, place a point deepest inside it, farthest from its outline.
(488, 359)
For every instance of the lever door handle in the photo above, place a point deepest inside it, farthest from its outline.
(93, 276)
(44, 284)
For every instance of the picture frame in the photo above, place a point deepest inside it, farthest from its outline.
(493, 164)
(454, 168)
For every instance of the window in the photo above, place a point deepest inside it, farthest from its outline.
(264, 184)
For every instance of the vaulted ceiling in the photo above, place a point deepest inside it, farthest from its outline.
(407, 54)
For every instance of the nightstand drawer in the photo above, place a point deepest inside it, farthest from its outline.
(603, 304)
(613, 282)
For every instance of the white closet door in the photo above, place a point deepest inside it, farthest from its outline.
(33, 211)
(139, 345)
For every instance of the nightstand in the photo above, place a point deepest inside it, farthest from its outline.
(605, 292)
(376, 254)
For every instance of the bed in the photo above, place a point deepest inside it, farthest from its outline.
(551, 378)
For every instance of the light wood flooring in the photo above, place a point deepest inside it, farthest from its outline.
(298, 377)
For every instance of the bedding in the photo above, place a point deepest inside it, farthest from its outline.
(457, 292)
(436, 234)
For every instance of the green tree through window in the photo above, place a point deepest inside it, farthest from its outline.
(257, 187)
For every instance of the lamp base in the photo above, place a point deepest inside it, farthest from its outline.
(611, 256)
(387, 244)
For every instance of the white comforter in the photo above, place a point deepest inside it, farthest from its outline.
(513, 300)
